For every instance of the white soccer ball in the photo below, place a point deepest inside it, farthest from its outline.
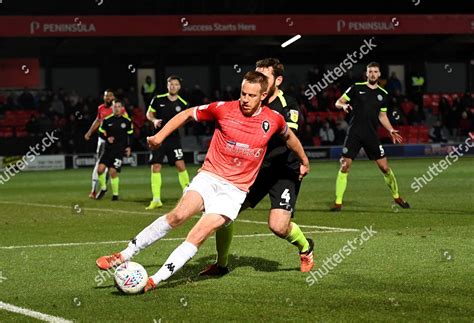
(130, 277)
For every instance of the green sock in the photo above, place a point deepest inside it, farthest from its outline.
(156, 186)
(341, 184)
(391, 182)
(297, 238)
(223, 240)
(183, 178)
(115, 185)
(102, 181)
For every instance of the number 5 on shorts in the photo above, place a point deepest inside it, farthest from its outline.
(382, 152)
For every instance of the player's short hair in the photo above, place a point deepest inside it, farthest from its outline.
(278, 68)
(373, 64)
(257, 77)
(109, 90)
(118, 101)
(174, 77)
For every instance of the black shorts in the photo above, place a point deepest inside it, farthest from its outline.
(281, 183)
(171, 148)
(112, 159)
(371, 144)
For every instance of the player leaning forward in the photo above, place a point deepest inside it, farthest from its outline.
(367, 102)
(243, 129)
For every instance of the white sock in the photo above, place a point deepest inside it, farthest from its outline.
(175, 261)
(95, 177)
(146, 237)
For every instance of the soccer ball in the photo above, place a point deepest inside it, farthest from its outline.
(130, 277)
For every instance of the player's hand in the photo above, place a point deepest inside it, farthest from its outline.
(111, 139)
(304, 170)
(128, 151)
(347, 108)
(87, 136)
(157, 123)
(396, 138)
(153, 142)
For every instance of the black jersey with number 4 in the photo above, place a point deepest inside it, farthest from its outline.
(118, 127)
(366, 105)
(166, 109)
(278, 153)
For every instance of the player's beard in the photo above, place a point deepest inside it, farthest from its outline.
(373, 82)
(271, 91)
(108, 103)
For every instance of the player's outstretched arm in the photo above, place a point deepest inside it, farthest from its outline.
(151, 116)
(94, 126)
(176, 122)
(293, 143)
(396, 138)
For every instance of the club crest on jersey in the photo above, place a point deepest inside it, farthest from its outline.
(294, 115)
(265, 126)
(178, 108)
(123, 125)
(379, 97)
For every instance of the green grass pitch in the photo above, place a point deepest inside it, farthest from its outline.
(417, 267)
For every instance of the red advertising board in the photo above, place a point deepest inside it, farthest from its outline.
(226, 25)
(19, 73)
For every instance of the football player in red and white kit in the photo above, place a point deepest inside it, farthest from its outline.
(104, 110)
(243, 129)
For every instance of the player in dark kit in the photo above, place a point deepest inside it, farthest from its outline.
(163, 108)
(117, 131)
(368, 105)
(278, 178)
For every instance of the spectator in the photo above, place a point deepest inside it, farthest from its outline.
(465, 125)
(452, 120)
(394, 84)
(26, 100)
(32, 126)
(57, 106)
(416, 116)
(44, 124)
(406, 106)
(307, 136)
(326, 134)
(148, 91)
(436, 132)
(340, 133)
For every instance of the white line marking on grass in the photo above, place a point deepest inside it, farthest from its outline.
(75, 244)
(306, 226)
(69, 207)
(149, 213)
(34, 314)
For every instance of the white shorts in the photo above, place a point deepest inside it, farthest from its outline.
(100, 148)
(220, 197)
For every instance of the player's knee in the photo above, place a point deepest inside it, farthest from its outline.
(345, 165)
(384, 168)
(112, 172)
(155, 168)
(279, 228)
(101, 169)
(178, 216)
(180, 166)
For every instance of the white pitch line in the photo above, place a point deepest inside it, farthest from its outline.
(75, 244)
(147, 213)
(31, 313)
(306, 226)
